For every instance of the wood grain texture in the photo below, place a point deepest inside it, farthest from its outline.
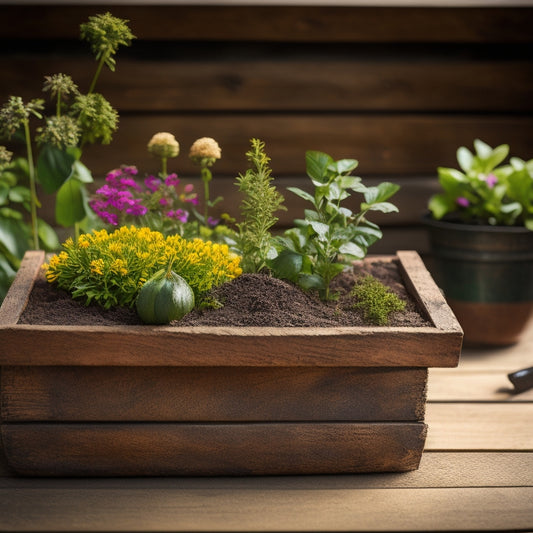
(421, 285)
(437, 470)
(227, 346)
(480, 426)
(218, 346)
(123, 449)
(340, 79)
(404, 144)
(282, 23)
(474, 385)
(211, 394)
(19, 291)
(260, 509)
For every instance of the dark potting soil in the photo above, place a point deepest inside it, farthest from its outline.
(249, 300)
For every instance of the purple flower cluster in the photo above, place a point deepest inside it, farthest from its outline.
(121, 199)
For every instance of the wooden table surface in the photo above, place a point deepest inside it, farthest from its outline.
(476, 475)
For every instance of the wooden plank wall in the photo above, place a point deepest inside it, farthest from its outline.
(399, 89)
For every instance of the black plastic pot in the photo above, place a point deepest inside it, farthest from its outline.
(486, 274)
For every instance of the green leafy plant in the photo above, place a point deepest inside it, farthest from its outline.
(485, 191)
(520, 189)
(15, 230)
(331, 235)
(261, 201)
(375, 300)
(78, 119)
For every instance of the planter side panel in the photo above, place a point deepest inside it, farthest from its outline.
(212, 449)
(101, 394)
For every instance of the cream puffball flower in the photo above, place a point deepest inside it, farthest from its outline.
(205, 148)
(164, 144)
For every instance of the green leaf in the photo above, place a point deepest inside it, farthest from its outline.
(47, 235)
(74, 151)
(369, 234)
(19, 194)
(352, 249)
(498, 155)
(452, 180)
(8, 178)
(513, 208)
(483, 150)
(520, 186)
(344, 166)
(335, 193)
(70, 203)
(439, 205)
(302, 194)
(348, 182)
(465, 158)
(320, 228)
(383, 207)
(529, 223)
(7, 274)
(13, 237)
(287, 264)
(83, 174)
(381, 193)
(54, 167)
(4, 193)
(311, 281)
(317, 164)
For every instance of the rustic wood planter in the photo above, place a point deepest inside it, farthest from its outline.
(158, 400)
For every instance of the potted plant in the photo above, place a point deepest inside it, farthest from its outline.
(481, 234)
(182, 399)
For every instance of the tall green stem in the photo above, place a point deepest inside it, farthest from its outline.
(206, 178)
(97, 73)
(33, 190)
(164, 167)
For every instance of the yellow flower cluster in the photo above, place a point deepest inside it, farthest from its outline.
(110, 268)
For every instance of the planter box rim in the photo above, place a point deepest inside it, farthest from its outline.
(234, 346)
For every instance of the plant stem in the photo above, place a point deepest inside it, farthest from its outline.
(33, 191)
(97, 73)
(164, 167)
(206, 177)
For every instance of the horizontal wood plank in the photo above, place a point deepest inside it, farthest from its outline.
(233, 346)
(121, 449)
(260, 509)
(211, 394)
(219, 346)
(313, 81)
(437, 470)
(480, 426)
(473, 385)
(287, 23)
(384, 145)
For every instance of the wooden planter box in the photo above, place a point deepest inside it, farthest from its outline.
(158, 400)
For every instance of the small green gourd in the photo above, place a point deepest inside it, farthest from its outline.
(166, 296)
